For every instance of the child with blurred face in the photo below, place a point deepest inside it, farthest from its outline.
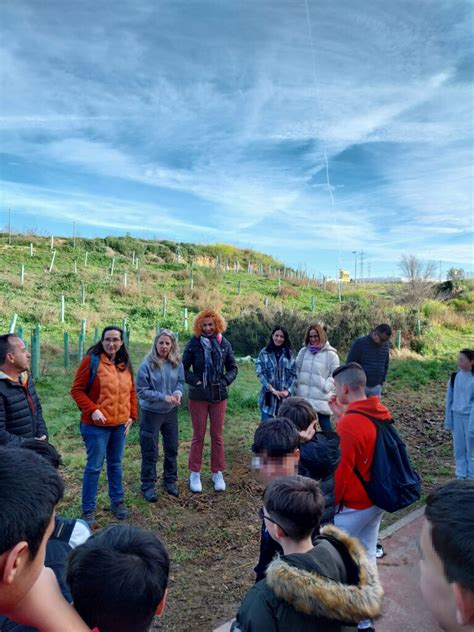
(276, 448)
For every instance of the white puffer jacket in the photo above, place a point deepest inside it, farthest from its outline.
(314, 376)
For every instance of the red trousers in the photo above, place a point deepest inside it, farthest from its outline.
(199, 411)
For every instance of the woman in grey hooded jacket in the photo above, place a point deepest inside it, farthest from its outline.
(160, 384)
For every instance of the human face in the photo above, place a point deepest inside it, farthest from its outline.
(18, 355)
(112, 342)
(163, 346)
(270, 467)
(313, 337)
(436, 590)
(278, 338)
(208, 327)
(341, 392)
(464, 363)
(379, 338)
(20, 571)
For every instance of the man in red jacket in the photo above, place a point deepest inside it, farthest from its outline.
(357, 515)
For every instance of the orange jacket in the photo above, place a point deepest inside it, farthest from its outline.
(112, 392)
(357, 435)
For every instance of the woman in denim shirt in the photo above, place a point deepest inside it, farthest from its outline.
(276, 370)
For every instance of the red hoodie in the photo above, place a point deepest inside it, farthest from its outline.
(357, 435)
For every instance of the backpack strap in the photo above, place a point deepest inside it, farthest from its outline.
(93, 366)
(376, 423)
(453, 377)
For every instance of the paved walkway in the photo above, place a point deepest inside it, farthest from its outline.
(404, 608)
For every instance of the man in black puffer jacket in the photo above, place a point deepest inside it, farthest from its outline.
(372, 352)
(21, 416)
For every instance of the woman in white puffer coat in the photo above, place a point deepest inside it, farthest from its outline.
(315, 364)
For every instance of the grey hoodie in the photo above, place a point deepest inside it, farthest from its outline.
(154, 384)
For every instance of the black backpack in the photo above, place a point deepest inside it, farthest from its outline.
(393, 482)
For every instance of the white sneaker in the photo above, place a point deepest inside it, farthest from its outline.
(195, 484)
(219, 482)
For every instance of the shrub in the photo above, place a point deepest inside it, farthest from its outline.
(250, 332)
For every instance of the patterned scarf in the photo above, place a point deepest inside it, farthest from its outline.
(213, 361)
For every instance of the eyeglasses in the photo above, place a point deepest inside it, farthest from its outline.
(262, 516)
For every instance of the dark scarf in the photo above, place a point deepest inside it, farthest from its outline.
(277, 351)
(213, 361)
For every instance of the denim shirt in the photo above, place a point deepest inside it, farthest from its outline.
(266, 369)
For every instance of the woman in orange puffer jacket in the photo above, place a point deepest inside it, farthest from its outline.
(105, 392)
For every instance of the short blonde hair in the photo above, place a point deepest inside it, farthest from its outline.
(174, 357)
(219, 322)
(323, 337)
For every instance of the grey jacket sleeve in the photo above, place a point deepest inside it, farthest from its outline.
(448, 417)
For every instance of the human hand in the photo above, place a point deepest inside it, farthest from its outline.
(308, 434)
(337, 409)
(128, 425)
(98, 417)
(170, 399)
(177, 397)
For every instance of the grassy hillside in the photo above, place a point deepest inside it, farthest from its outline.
(154, 283)
(183, 275)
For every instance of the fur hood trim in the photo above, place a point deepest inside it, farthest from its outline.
(317, 595)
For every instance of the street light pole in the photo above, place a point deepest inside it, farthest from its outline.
(354, 252)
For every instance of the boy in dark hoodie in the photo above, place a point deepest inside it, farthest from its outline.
(326, 586)
(319, 451)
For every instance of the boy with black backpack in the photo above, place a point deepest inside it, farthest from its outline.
(364, 425)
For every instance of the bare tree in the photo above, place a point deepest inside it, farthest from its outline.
(419, 278)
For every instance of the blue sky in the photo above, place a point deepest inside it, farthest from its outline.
(245, 122)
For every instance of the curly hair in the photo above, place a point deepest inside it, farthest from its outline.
(219, 322)
(323, 338)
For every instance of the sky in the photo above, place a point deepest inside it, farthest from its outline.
(306, 129)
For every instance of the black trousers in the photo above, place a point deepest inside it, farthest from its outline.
(151, 425)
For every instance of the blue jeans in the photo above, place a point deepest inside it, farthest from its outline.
(325, 422)
(266, 416)
(463, 445)
(101, 443)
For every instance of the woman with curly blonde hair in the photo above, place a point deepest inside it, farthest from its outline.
(209, 367)
(315, 364)
(160, 384)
